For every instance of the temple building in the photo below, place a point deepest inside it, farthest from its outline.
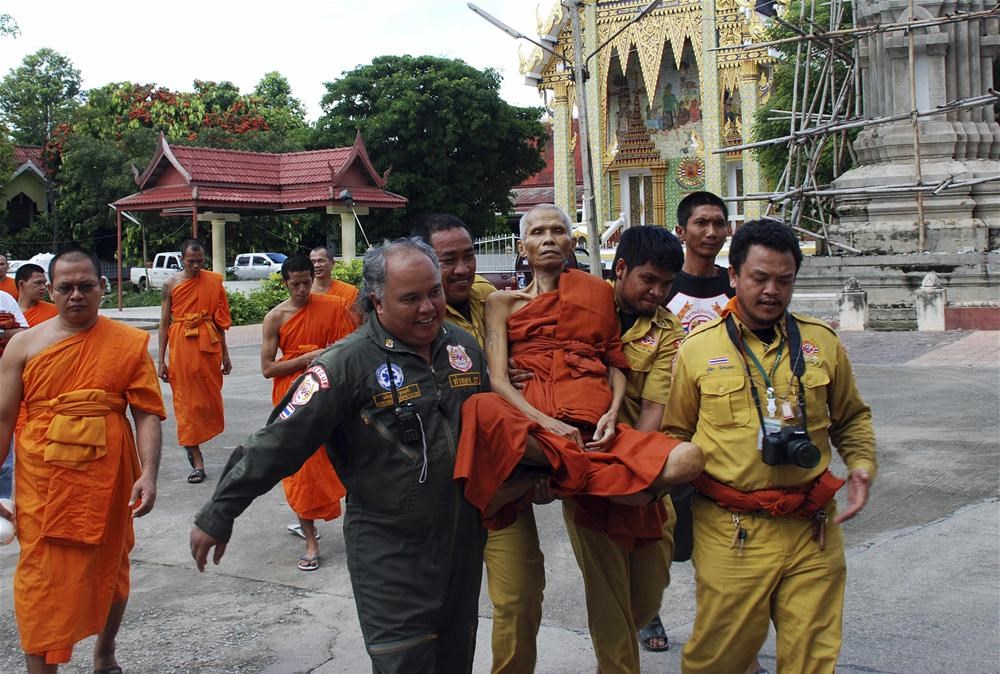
(660, 99)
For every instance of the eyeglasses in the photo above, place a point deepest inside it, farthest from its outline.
(68, 288)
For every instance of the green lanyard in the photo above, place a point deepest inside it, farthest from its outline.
(772, 405)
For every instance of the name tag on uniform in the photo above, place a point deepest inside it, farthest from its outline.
(460, 380)
(406, 393)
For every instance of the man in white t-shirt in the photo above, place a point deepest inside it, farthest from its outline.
(11, 322)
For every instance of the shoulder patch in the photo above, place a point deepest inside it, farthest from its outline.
(321, 377)
(704, 327)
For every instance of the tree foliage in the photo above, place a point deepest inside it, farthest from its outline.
(38, 95)
(439, 125)
(773, 159)
(8, 26)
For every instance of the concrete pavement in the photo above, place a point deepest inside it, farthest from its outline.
(923, 591)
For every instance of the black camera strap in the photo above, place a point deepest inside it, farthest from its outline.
(794, 357)
(392, 381)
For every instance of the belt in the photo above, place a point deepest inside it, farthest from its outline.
(77, 433)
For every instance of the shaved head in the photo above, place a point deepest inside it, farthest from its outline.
(74, 256)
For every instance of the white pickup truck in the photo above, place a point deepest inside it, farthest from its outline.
(164, 266)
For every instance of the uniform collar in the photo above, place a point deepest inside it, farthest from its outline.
(386, 341)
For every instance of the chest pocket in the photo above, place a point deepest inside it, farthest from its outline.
(725, 401)
(815, 382)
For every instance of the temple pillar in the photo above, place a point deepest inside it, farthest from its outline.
(563, 164)
(596, 130)
(348, 236)
(218, 222)
(660, 196)
(753, 179)
(711, 114)
(957, 146)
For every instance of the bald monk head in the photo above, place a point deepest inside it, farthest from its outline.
(403, 289)
(545, 237)
(76, 287)
(192, 257)
(322, 261)
(297, 274)
(30, 281)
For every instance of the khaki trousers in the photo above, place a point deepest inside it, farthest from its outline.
(780, 575)
(624, 589)
(515, 580)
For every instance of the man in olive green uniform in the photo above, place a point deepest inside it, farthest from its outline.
(515, 566)
(624, 587)
(386, 402)
(766, 542)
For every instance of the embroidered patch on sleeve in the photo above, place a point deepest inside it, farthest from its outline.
(321, 376)
(461, 380)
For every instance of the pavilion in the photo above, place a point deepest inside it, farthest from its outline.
(218, 186)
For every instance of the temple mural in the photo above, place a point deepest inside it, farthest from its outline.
(662, 104)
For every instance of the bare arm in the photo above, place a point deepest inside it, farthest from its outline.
(165, 309)
(650, 416)
(11, 368)
(270, 367)
(227, 365)
(604, 430)
(149, 441)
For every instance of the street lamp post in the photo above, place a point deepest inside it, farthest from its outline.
(579, 77)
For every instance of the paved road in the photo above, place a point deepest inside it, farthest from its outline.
(924, 583)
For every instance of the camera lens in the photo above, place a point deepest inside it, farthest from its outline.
(803, 452)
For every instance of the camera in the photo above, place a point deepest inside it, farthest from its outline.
(407, 424)
(789, 446)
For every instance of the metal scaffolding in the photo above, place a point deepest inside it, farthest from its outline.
(826, 106)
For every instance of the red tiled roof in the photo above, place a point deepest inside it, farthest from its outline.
(255, 199)
(545, 177)
(259, 180)
(26, 153)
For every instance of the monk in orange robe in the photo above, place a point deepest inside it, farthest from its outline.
(564, 329)
(302, 327)
(194, 318)
(81, 474)
(7, 284)
(30, 280)
(325, 284)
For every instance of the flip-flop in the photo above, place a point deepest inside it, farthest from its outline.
(308, 563)
(296, 530)
(114, 669)
(654, 630)
(197, 476)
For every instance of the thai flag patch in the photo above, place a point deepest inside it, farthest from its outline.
(723, 360)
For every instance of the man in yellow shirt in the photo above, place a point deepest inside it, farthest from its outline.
(624, 587)
(765, 395)
(515, 568)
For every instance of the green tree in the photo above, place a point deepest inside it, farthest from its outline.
(284, 114)
(442, 129)
(8, 26)
(766, 124)
(38, 95)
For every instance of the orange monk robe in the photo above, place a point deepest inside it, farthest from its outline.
(349, 294)
(568, 338)
(199, 310)
(39, 313)
(9, 286)
(314, 492)
(76, 464)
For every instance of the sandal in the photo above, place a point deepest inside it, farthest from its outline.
(308, 563)
(114, 669)
(197, 476)
(296, 530)
(654, 631)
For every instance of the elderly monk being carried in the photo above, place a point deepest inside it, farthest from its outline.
(303, 326)
(79, 477)
(194, 318)
(564, 328)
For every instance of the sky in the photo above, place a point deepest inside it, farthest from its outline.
(308, 41)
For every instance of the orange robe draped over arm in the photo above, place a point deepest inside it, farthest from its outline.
(568, 338)
(314, 492)
(76, 464)
(199, 310)
(349, 294)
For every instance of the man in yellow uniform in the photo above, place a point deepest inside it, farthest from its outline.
(515, 568)
(624, 587)
(765, 395)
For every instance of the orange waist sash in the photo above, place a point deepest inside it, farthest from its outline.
(804, 501)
